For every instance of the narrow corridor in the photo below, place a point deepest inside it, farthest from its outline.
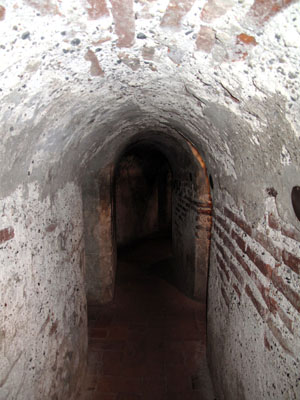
(149, 343)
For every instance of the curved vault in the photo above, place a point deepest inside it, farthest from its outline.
(78, 80)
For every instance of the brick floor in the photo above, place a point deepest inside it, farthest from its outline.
(149, 343)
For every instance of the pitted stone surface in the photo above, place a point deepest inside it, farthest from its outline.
(78, 80)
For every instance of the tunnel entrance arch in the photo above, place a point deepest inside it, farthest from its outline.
(191, 218)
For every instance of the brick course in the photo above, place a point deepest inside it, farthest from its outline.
(235, 255)
(6, 234)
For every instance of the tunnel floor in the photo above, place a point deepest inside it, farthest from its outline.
(149, 343)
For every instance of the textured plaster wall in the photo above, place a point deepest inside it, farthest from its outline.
(100, 246)
(43, 307)
(255, 271)
(78, 78)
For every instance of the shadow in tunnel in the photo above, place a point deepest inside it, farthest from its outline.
(150, 341)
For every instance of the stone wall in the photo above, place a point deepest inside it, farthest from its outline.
(43, 306)
(256, 273)
(99, 237)
(80, 77)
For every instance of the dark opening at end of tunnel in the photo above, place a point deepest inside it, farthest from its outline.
(143, 207)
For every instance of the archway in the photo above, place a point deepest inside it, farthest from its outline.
(191, 217)
(156, 185)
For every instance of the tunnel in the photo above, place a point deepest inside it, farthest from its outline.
(186, 112)
(142, 195)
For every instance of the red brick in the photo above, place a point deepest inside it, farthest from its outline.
(291, 233)
(262, 10)
(292, 296)
(53, 328)
(176, 10)
(291, 261)
(246, 39)
(231, 247)
(214, 9)
(264, 291)
(236, 272)
(223, 223)
(222, 251)
(98, 9)
(221, 273)
(285, 319)
(279, 337)
(264, 268)
(206, 39)
(229, 214)
(225, 297)
(204, 211)
(267, 343)
(273, 222)
(6, 234)
(122, 11)
(228, 243)
(271, 303)
(242, 263)
(44, 7)
(222, 266)
(95, 69)
(259, 307)
(267, 244)
(240, 242)
(2, 13)
(237, 290)
(238, 221)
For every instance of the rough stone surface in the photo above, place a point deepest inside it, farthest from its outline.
(66, 111)
(43, 307)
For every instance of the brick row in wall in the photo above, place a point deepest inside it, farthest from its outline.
(242, 253)
(6, 234)
(186, 204)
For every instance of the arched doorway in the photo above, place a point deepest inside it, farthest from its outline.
(151, 338)
(190, 220)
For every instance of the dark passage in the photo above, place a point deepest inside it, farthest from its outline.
(149, 343)
(143, 196)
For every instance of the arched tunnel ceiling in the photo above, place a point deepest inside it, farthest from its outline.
(79, 77)
(172, 146)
